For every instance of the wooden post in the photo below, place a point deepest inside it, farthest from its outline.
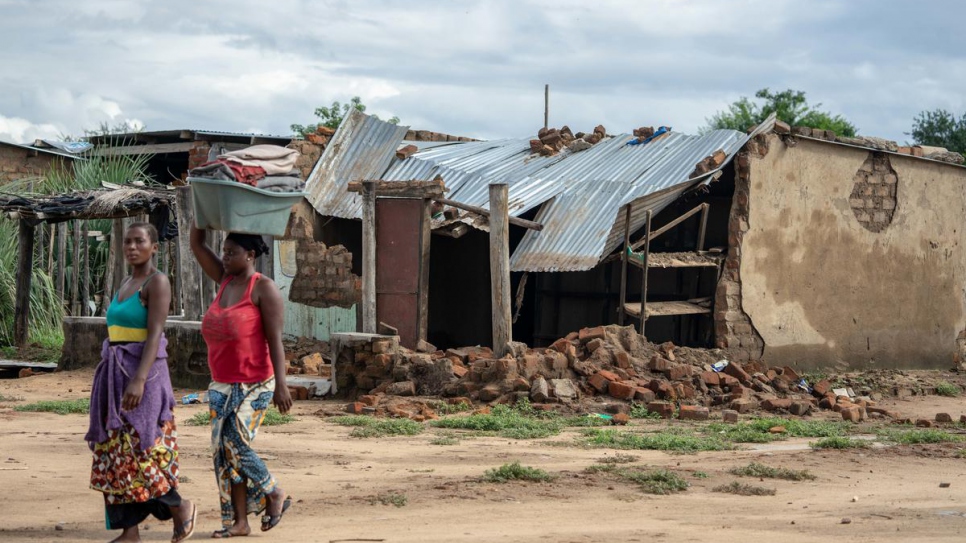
(627, 246)
(546, 105)
(502, 312)
(189, 271)
(108, 290)
(647, 253)
(76, 271)
(704, 226)
(118, 226)
(61, 261)
(85, 289)
(25, 265)
(369, 257)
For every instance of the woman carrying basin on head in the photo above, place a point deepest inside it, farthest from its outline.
(243, 331)
(132, 430)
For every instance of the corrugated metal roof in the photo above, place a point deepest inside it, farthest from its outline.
(585, 190)
(360, 150)
(56, 152)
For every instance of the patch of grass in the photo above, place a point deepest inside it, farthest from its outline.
(755, 469)
(514, 423)
(918, 436)
(945, 388)
(601, 468)
(586, 421)
(366, 426)
(639, 411)
(398, 500)
(516, 472)
(662, 441)
(272, 418)
(659, 481)
(61, 407)
(700, 475)
(742, 489)
(756, 431)
(618, 458)
(444, 441)
(444, 408)
(840, 442)
(4, 398)
(961, 453)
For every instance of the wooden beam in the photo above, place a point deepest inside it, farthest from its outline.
(502, 311)
(704, 226)
(151, 149)
(75, 271)
(189, 271)
(61, 261)
(644, 269)
(85, 288)
(425, 238)
(480, 211)
(402, 189)
(369, 257)
(625, 248)
(25, 265)
(666, 227)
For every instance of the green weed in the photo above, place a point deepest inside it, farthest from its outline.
(366, 426)
(945, 388)
(398, 500)
(662, 441)
(659, 481)
(755, 469)
(444, 440)
(61, 407)
(272, 418)
(840, 442)
(700, 475)
(4, 398)
(639, 411)
(444, 408)
(756, 431)
(742, 489)
(516, 472)
(515, 423)
(618, 458)
(918, 436)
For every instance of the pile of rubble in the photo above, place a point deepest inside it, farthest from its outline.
(935, 153)
(551, 141)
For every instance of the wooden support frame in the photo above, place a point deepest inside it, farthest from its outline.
(644, 269)
(189, 271)
(502, 310)
(25, 265)
(369, 319)
(625, 248)
(401, 189)
(702, 208)
(486, 213)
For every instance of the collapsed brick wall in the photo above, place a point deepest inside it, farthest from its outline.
(426, 135)
(734, 331)
(873, 198)
(309, 154)
(16, 163)
(324, 277)
(198, 154)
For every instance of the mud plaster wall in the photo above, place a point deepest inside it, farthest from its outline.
(822, 289)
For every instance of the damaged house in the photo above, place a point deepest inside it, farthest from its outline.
(789, 247)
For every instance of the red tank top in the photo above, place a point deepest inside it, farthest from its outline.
(237, 349)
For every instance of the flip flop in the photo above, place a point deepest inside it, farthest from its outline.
(182, 533)
(271, 521)
(221, 534)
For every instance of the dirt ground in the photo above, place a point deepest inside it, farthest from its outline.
(888, 494)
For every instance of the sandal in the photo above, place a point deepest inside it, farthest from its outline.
(271, 521)
(222, 534)
(187, 528)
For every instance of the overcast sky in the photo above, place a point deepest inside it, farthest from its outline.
(473, 68)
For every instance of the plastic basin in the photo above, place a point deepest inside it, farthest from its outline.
(237, 207)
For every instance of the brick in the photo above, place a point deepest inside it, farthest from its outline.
(520, 384)
(727, 380)
(599, 382)
(744, 405)
(710, 378)
(610, 376)
(369, 400)
(621, 419)
(776, 404)
(298, 392)
(924, 423)
(355, 408)
(644, 395)
(943, 417)
(657, 363)
(539, 390)
(822, 387)
(850, 414)
(460, 371)
(790, 375)
(593, 345)
(678, 372)
(622, 359)
(621, 391)
(735, 370)
(730, 416)
(664, 409)
(402, 388)
(587, 334)
(693, 412)
(490, 393)
(800, 408)
(663, 389)
(562, 345)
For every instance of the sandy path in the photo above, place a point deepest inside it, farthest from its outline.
(44, 466)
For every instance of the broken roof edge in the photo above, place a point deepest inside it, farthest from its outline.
(873, 149)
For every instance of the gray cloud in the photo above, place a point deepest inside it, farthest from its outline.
(475, 67)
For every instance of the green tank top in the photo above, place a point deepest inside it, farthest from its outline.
(127, 320)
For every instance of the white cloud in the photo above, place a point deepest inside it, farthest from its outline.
(20, 130)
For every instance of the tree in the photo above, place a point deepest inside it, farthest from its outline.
(331, 117)
(940, 128)
(789, 106)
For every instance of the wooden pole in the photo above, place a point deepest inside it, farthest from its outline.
(117, 242)
(369, 257)
(627, 245)
(546, 105)
(108, 290)
(188, 268)
(76, 271)
(25, 265)
(502, 311)
(51, 237)
(704, 226)
(61, 261)
(480, 211)
(647, 253)
(85, 289)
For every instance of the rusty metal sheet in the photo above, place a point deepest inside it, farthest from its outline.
(399, 265)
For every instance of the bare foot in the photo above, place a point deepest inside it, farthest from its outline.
(184, 518)
(128, 535)
(275, 501)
